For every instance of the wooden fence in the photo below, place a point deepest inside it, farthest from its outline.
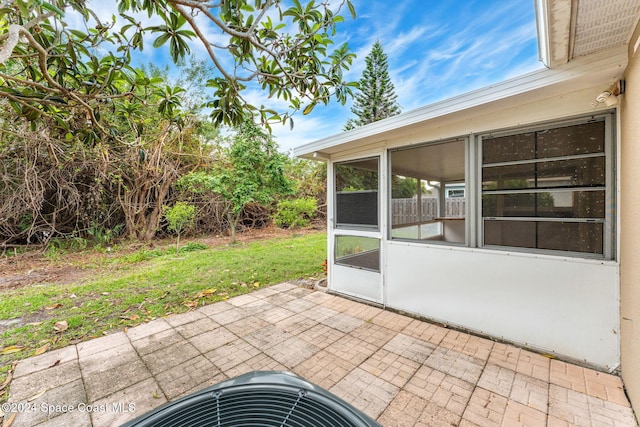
(405, 211)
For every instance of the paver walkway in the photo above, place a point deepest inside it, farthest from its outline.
(398, 370)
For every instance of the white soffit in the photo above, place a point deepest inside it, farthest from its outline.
(604, 24)
(570, 29)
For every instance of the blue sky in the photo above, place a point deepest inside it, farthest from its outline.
(435, 50)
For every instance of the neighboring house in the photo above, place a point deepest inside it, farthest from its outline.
(547, 251)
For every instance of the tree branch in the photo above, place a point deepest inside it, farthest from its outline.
(203, 38)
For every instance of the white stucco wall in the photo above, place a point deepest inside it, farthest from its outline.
(630, 226)
(566, 306)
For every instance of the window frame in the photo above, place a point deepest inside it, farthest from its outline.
(610, 208)
(350, 226)
(469, 184)
(343, 260)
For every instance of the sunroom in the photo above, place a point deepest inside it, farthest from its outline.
(494, 211)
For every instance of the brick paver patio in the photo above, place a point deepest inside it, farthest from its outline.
(399, 370)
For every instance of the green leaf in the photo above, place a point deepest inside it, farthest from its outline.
(352, 9)
(79, 34)
(52, 8)
(71, 51)
(309, 108)
(23, 7)
(161, 40)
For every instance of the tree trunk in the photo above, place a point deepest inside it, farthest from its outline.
(233, 223)
(144, 191)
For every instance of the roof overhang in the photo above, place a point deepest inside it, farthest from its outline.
(553, 23)
(570, 29)
(601, 70)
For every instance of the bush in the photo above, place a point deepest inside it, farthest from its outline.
(180, 217)
(193, 246)
(60, 245)
(102, 235)
(295, 213)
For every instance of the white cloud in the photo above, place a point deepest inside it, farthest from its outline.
(482, 51)
(404, 40)
(322, 121)
(305, 130)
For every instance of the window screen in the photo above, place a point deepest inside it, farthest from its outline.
(428, 189)
(546, 189)
(356, 189)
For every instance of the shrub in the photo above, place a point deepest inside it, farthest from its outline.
(180, 217)
(193, 246)
(295, 213)
(102, 235)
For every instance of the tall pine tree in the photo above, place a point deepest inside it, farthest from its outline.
(376, 98)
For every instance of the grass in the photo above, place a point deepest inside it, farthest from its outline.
(155, 284)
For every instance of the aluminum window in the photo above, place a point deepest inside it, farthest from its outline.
(549, 189)
(428, 188)
(356, 194)
(358, 251)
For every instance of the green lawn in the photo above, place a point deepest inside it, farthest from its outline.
(153, 285)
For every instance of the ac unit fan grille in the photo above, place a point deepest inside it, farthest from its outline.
(266, 400)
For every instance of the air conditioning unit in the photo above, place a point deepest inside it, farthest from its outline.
(260, 398)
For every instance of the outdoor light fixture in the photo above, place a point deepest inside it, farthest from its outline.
(609, 96)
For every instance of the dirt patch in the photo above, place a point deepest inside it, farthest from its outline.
(41, 275)
(34, 268)
(32, 318)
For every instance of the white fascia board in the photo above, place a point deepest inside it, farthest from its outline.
(606, 66)
(555, 32)
(542, 28)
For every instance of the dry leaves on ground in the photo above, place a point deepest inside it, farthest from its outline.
(12, 349)
(60, 326)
